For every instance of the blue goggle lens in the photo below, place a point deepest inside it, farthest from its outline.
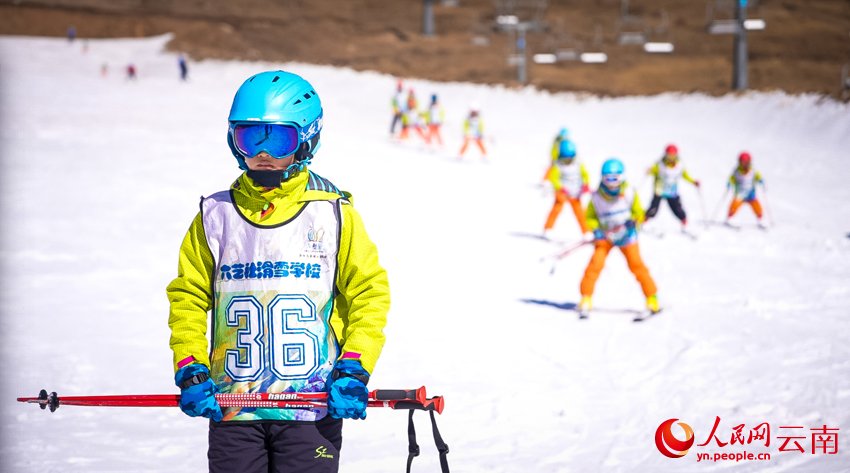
(612, 178)
(277, 140)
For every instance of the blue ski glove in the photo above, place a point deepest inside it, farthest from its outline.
(598, 234)
(347, 394)
(630, 224)
(197, 392)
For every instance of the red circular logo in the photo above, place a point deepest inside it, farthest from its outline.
(665, 441)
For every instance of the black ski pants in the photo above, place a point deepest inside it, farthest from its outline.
(675, 205)
(265, 447)
(396, 119)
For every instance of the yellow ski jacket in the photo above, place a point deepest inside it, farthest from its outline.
(363, 299)
(655, 172)
(592, 218)
(556, 148)
(554, 176)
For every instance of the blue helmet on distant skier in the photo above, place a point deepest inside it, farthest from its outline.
(567, 149)
(564, 133)
(277, 112)
(612, 175)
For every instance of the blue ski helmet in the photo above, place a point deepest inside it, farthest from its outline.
(564, 133)
(613, 166)
(567, 149)
(280, 98)
(434, 98)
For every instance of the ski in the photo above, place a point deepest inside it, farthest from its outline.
(646, 314)
(391, 398)
(692, 236)
(652, 232)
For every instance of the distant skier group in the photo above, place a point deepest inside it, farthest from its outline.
(427, 122)
(614, 215)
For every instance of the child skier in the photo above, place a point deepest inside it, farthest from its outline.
(473, 130)
(398, 107)
(435, 117)
(562, 135)
(614, 214)
(184, 67)
(667, 173)
(569, 179)
(410, 118)
(297, 295)
(744, 181)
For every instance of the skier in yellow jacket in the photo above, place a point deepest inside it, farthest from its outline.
(563, 135)
(473, 131)
(298, 297)
(614, 214)
(667, 172)
(570, 180)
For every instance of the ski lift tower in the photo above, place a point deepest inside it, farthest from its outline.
(737, 26)
(428, 17)
(520, 17)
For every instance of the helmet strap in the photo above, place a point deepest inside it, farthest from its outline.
(305, 152)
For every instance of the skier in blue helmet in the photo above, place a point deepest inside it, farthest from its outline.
(614, 214)
(278, 113)
(281, 241)
(570, 180)
(435, 117)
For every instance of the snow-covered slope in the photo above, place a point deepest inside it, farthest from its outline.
(100, 178)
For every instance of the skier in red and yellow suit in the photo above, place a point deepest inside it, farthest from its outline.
(614, 214)
(569, 179)
(744, 181)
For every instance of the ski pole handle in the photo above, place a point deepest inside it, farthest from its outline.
(418, 395)
(435, 403)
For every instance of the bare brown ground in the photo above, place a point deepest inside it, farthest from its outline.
(802, 50)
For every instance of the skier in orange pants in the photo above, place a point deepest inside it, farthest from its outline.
(410, 119)
(473, 130)
(744, 181)
(435, 117)
(569, 179)
(614, 214)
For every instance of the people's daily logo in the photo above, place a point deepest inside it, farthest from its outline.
(745, 444)
(668, 444)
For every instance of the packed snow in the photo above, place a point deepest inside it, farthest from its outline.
(101, 177)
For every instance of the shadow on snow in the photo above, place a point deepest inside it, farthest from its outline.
(573, 307)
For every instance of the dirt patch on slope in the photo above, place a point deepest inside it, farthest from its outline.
(803, 48)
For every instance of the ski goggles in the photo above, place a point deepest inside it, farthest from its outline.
(612, 180)
(278, 140)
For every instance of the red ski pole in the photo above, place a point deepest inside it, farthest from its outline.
(560, 256)
(392, 398)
